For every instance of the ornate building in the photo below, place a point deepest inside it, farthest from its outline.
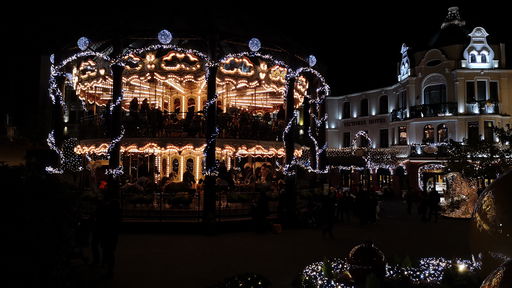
(457, 89)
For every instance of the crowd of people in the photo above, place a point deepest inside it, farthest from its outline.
(341, 205)
(365, 204)
(145, 120)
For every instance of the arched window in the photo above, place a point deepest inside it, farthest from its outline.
(383, 104)
(346, 110)
(483, 58)
(364, 107)
(434, 94)
(442, 133)
(472, 58)
(428, 134)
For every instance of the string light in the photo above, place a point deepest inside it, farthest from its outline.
(430, 271)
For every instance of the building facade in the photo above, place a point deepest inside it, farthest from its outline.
(452, 91)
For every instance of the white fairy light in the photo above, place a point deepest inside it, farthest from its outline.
(430, 271)
(165, 37)
(116, 172)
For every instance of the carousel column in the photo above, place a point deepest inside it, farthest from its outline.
(114, 156)
(312, 109)
(290, 185)
(210, 164)
(322, 156)
(58, 111)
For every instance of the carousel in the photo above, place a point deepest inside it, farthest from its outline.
(171, 114)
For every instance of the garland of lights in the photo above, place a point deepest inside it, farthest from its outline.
(254, 54)
(323, 91)
(433, 166)
(429, 272)
(56, 97)
(67, 158)
(51, 143)
(211, 139)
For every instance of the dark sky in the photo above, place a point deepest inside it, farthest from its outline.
(357, 45)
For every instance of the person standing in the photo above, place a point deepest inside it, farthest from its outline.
(434, 200)
(327, 210)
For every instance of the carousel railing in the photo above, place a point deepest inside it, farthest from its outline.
(180, 203)
(185, 125)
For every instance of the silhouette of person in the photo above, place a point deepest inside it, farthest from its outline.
(327, 211)
(434, 200)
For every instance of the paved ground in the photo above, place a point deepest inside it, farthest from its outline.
(161, 259)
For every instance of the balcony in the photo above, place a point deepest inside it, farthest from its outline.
(483, 107)
(399, 114)
(435, 150)
(433, 110)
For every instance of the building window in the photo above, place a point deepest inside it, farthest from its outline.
(402, 135)
(346, 139)
(384, 141)
(472, 58)
(434, 94)
(383, 104)
(364, 107)
(493, 91)
(481, 90)
(470, 92)
(442, 133)
(428, 134)
(483, 58)
(346, 110)
(489, 131)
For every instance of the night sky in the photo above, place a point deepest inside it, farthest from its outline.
(357, 46)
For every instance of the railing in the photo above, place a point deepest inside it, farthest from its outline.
(399, 114)
(483, 107)
(185, 125)
(433, 110)
(237, 202)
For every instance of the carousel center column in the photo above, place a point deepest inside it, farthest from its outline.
(117, 97)
(210, 168)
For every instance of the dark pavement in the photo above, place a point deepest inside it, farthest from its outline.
(178, 259)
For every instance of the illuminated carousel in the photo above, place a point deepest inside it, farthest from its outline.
(168, 113)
